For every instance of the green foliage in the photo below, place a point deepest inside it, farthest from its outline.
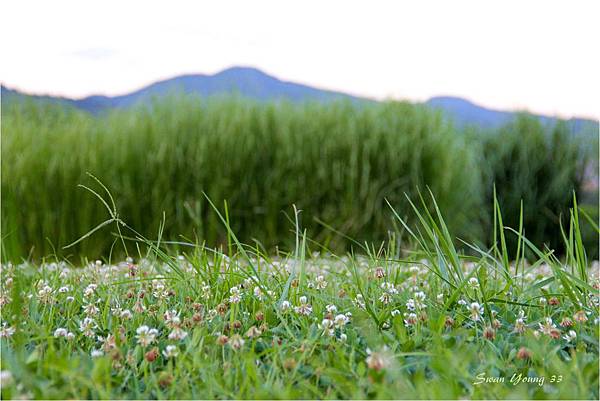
(338, 164)
(429, 324)
(537, 171)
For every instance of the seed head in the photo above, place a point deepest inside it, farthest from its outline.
(523, 353)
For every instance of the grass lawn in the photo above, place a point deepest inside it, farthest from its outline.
(424, 323)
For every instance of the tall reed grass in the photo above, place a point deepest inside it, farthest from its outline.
(535, 169)
(338, 163)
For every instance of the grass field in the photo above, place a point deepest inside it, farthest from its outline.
(423, 321)
(270, 250)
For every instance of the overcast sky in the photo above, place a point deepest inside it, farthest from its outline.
(538, 55)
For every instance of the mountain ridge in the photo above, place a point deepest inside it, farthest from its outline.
(256, 84)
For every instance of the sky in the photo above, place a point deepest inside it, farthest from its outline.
(541, 56)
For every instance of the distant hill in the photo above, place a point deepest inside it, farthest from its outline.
(244, 81)
(464, 112)
(255, 84)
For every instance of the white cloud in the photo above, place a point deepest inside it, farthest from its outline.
(503, 54)
(94, 53)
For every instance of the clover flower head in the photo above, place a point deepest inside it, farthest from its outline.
(476, 311)
(145, 335)
(177, 334)
(285, 306)
(235, 295)
(570, 336)
(170, 352)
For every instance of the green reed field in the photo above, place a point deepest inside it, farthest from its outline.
(339, 163)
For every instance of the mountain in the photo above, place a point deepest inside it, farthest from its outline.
(244, 81)
(464, 112)
(255, 84)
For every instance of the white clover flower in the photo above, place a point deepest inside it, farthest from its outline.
(126, 314)
(60, 332)
(385, 298)
(303, 309)
(171, 351)
(473, 282)
(341, 320)
(89, 290)
(6, 378)
(389, 288)
(172, 318)
(395, 312)
(343, 337)
(109, 342)
(253, 331)
(420, 296)
(6, 331)
(359, 301)
(378, 360)
(285, 306)
(520, 323)
(64, 289)
(177, 334)
(249, 281)
(236, 295)
(96, 353)
(331, 308)
(46, 290)
(236, 341)
(410, 304)
(205, 290)
(6, 299)
(440, 297)
(258, 292)
(70, 299)
(327, 327)
(87, 327)
(570, 336)
(548, 327)
(45, 294)
(159, 289)
(411, 319)
(91, 310)
(146, 335)
(476, 311)
(320, 283)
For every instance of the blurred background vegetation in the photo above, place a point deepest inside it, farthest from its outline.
(338, 162)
